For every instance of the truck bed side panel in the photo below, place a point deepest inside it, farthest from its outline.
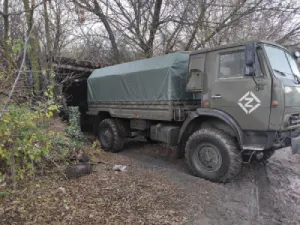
(156, 110)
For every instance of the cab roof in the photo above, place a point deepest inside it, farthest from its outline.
(235, 45)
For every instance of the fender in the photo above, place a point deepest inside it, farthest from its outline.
(213, 113)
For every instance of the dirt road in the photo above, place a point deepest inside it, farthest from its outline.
(262, 194)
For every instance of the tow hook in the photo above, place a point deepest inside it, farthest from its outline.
(259, 155)
(295, 144)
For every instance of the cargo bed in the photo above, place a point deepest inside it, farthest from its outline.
(153, 89)
(156, 110)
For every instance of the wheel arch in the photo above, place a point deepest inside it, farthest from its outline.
(204, 116)
(223, 145)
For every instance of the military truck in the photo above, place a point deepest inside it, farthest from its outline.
(218, 105)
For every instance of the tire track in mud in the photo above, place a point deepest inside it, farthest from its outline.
(264, 193)
(269, 201)
(261, 194)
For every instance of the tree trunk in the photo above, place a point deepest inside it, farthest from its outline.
(98, 11)
(155, 23)
(48, 44)
(34, 47)
(7, 56)
(196, 28)
(6, 28)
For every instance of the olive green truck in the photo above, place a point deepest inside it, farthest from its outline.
(219, 106)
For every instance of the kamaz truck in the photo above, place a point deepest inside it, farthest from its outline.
(219, 106)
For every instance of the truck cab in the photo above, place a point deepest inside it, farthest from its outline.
(257, 85)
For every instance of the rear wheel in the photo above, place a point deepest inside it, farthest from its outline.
(109, 136)
(213, 155)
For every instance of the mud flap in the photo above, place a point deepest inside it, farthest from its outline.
(295, 144)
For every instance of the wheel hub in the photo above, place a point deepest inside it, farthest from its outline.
(209, 157)
(106, 137)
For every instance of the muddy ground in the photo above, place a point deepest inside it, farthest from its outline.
(158, 189)
(262, 194)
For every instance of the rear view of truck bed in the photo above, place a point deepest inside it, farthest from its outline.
(148, 89)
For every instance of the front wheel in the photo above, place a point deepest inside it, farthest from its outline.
(109, 136)
(213, 155)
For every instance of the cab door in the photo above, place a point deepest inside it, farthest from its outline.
(236, 94)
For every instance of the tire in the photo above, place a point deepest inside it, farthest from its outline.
(207, 141)
(109, 136)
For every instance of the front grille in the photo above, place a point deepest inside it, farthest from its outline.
(294, 119)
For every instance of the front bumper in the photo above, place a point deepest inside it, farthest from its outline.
(260, 141)
(295, 144)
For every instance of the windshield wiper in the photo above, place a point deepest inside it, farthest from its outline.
(285, 74)
(280, 72)
(297, 78)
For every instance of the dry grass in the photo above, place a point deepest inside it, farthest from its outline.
(137, 196)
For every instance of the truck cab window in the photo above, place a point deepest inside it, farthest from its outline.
(232, 65)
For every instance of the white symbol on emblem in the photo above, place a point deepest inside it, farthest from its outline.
(249, 102)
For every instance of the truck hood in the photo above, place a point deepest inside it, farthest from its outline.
(292, 96)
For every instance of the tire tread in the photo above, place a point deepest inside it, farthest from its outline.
(235, 160)
(118, 140)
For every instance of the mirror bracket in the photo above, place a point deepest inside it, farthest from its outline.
(249, 71)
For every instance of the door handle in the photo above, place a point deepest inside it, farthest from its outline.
(216, 96)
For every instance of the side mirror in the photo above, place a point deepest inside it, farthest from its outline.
(250, 59)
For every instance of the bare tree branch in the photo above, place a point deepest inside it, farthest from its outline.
(23, 11)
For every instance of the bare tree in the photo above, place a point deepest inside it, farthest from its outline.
(94, 7)
(114, 31)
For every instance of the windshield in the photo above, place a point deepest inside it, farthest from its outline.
(294, 65)
(282, 63)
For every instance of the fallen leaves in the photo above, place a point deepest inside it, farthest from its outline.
(138, 196)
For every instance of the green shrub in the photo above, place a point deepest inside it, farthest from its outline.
(73, 130)
(24, 137)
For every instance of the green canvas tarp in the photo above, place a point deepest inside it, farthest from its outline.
(161, 78)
